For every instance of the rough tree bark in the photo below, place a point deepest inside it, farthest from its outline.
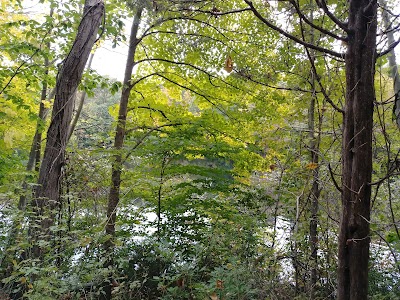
(360, 58)
(354, 233)
(69, 76)
(114, 195)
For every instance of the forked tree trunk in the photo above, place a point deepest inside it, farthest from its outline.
(69, 76)
(354, 233)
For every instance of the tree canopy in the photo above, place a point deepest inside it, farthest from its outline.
(249, 152)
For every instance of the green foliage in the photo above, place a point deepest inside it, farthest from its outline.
(212, 158)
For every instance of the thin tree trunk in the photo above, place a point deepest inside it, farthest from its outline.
(43, 112)
(39, 130)
(315, 192)
(80, 104)
(354, 233)
(69, 76)
(314, 143)
(394, 72)
(114, 195)
(314, 156)
(295, 251)
(159, 194)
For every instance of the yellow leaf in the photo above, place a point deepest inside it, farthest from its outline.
(23, 280)
(96, 46)
(46, 103)
(228, 64)
(312, 166)
(9, 137)
(30, 286)
(9, 112)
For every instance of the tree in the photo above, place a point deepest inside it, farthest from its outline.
(315, 140)
(354, 235)
(118, 144)
(360, 37)
(47, 192)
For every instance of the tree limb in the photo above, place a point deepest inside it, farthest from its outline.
(319, 28)
(290, 36)
(342, 25)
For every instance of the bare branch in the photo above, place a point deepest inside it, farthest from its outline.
(210, 76)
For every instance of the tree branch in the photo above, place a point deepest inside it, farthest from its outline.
(16, 72)
(216, 13)
(390, 48)
(333, 179)
(320, 29)
(147, 31)
(342, 25)
(152, 109)
(141, 140)
(317, 77)
(290, 36)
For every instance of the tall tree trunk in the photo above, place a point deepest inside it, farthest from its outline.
(69, 76)
(354, 233)
(360, 59)
(114, 195)
(314, 157)
(315, 192)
